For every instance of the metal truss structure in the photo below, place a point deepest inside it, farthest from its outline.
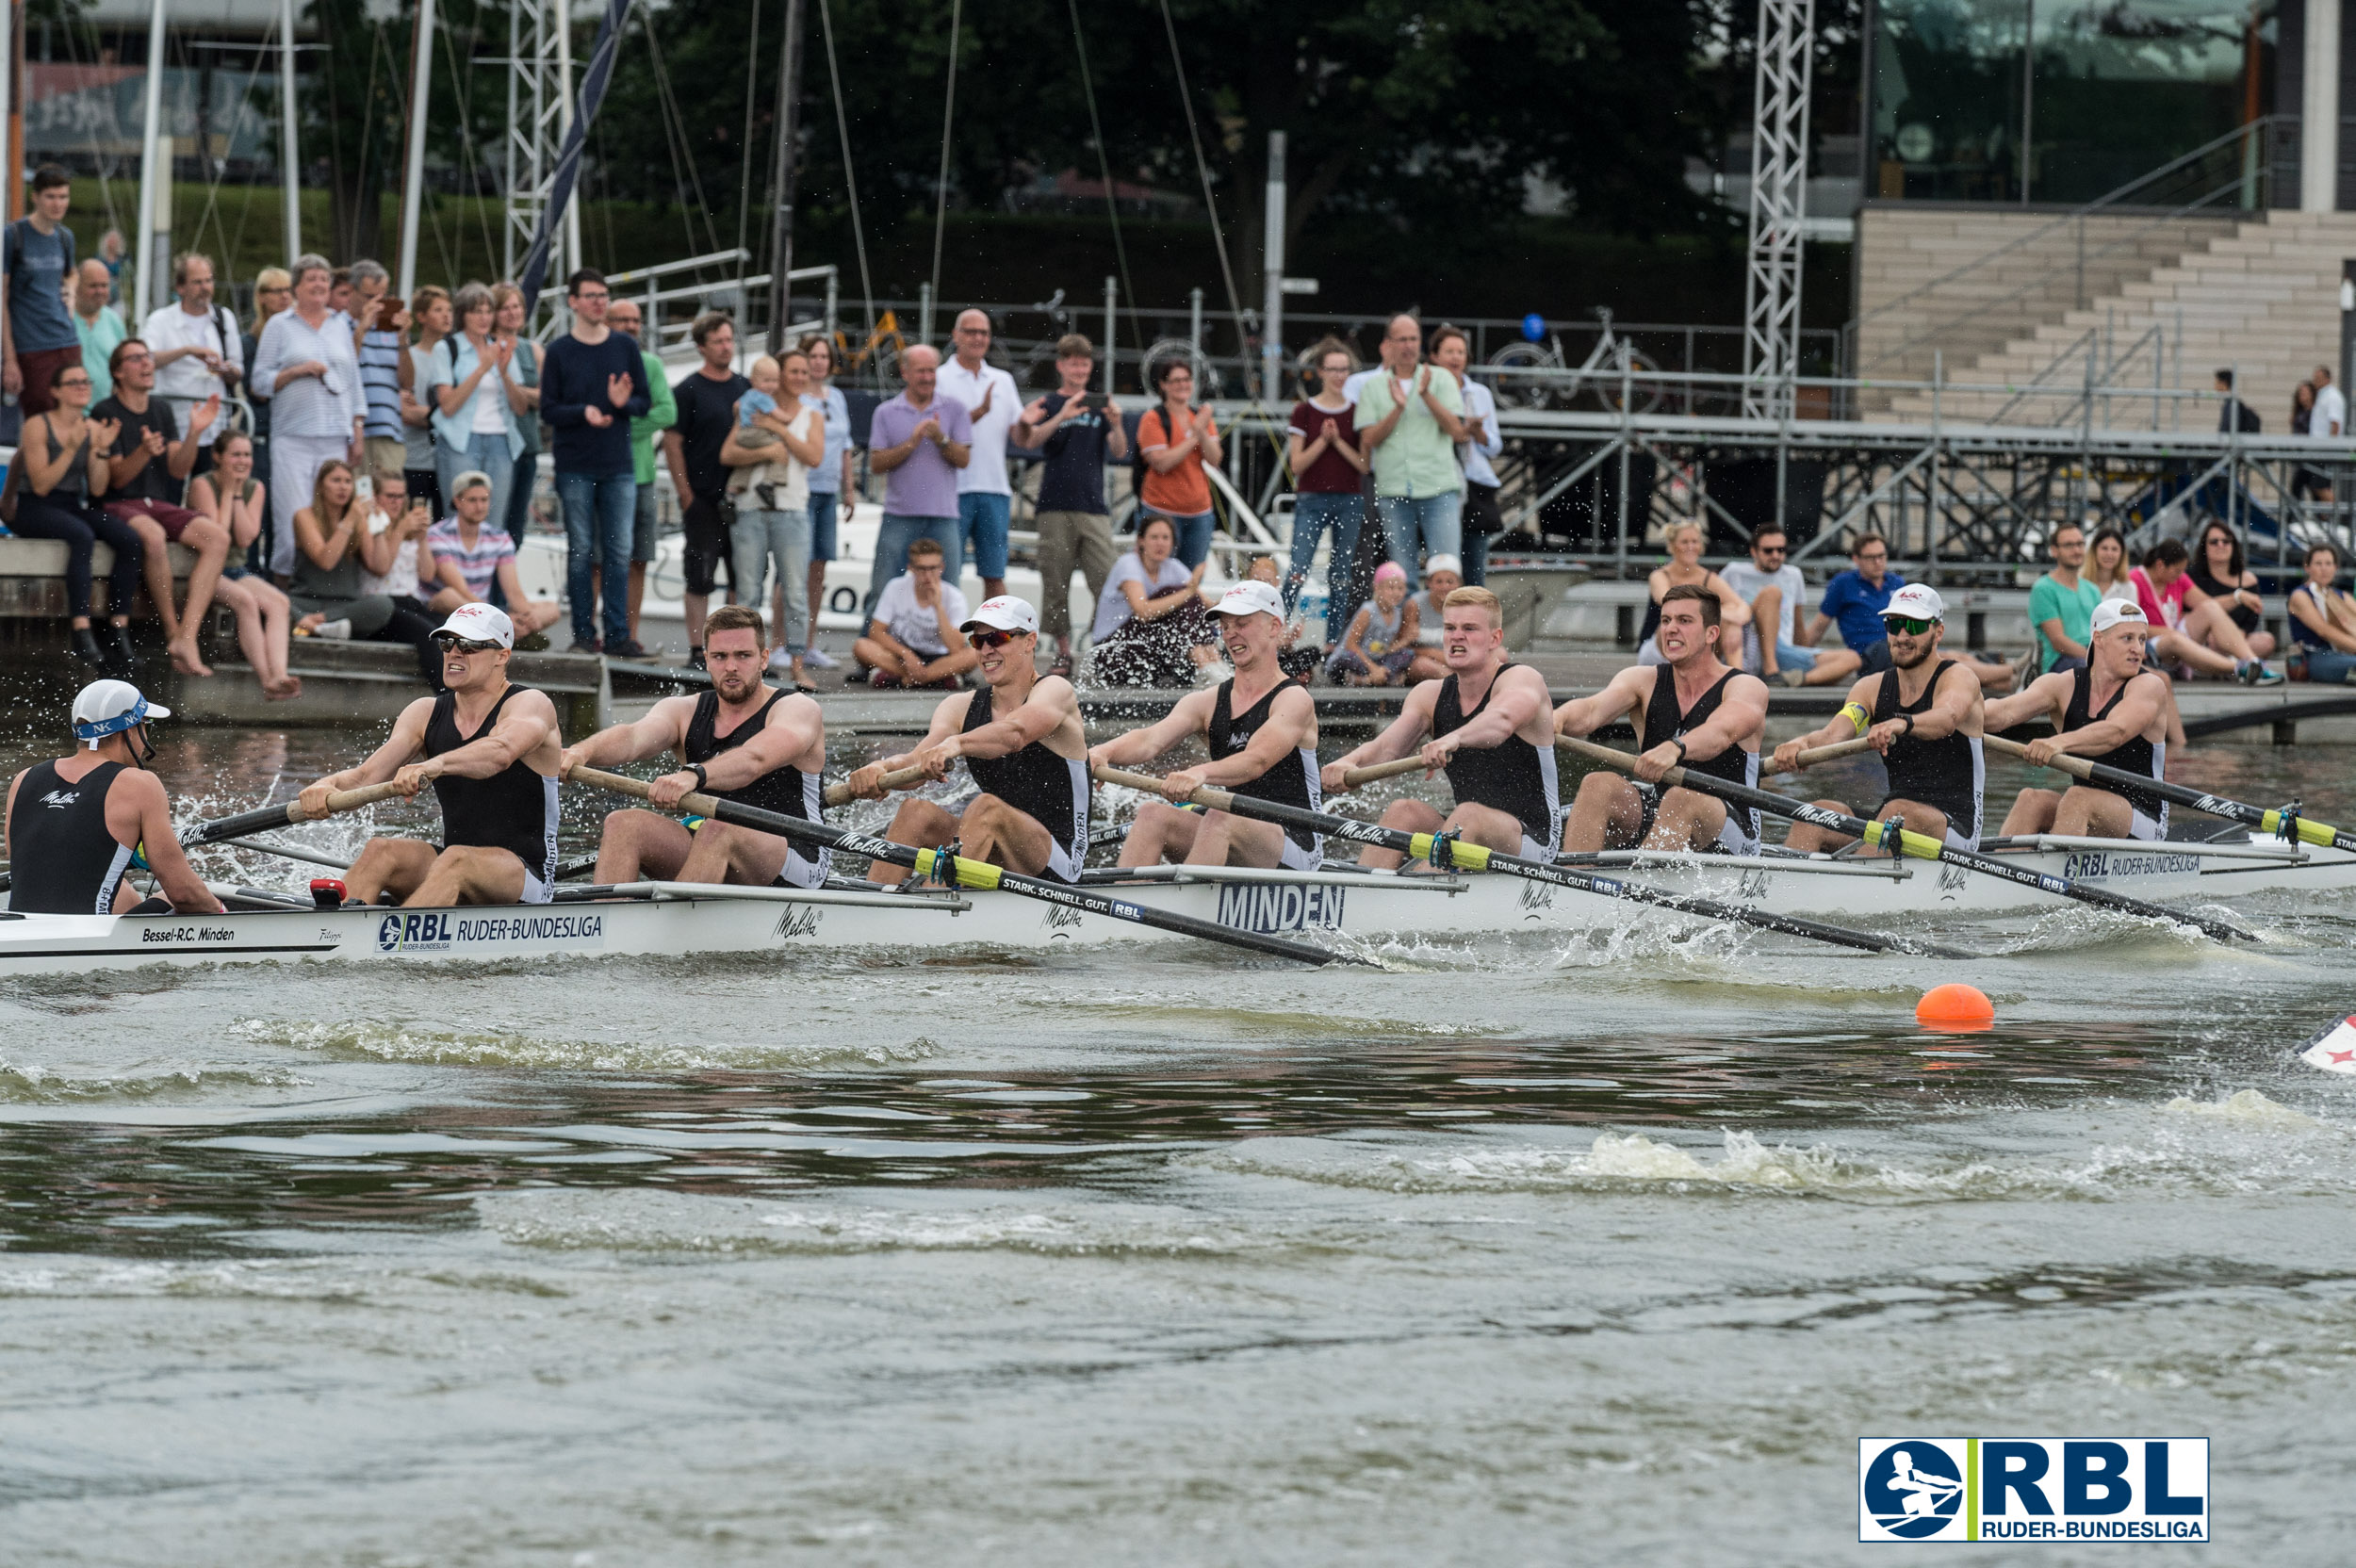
(539, 111)
(1771, 305)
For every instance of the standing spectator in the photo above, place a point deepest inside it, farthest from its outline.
(833, 484)
(1329, 484)
(2327, 426)
(273, 291)
(1411, 419)
(1451, 351)
(198, 354)
(985, 497)
(2307, 482)
(661, 414)
(707, 398)
(475, 557)
(2235, 415)
(1775, 590)
(149, 464)
(63, 453)
(97, 324)
(2061, 604)
(228, 495)
(383, 324)
(1175, 442)
(1079, 430)
(523, 377)
(1854, 600)
(36, 332)
(306, 364)
(772, 485)
(432, 319)
(475, 411)
(593, 384)
(920, 440)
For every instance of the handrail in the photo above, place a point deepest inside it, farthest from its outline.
(663, 269)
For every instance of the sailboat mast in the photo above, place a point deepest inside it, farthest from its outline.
(413, 168)
(789, 127)
(289, 164)
(154, 250)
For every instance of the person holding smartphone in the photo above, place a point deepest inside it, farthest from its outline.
(1079, 429)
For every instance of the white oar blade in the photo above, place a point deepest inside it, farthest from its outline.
(2334, 1050)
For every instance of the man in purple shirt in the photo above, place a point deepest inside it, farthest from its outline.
(921, 440)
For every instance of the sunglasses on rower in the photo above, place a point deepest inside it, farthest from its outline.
(991, 639)
(449, 641)
(1908, 625)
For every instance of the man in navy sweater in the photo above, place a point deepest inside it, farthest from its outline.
(592, 384)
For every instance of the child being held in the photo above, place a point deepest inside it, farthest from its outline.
(1380, 641)
(758, 426)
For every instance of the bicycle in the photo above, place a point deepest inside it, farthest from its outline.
(1612, 362)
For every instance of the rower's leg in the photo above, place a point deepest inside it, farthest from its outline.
(1407, 816)
(1915, 816)
(1607, 812)
(1687, 820)
(470, 873)
(919, 822)
(394, 866)
(2032, 812)
(1487, 827)
(2093, 813)
(727, 854)
(1808, 838)
(994, 831)
(1227, 840)
(639, 846)
(1159, 833)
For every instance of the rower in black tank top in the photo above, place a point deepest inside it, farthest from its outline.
(1290, 781)
(2134, 755)
(1052, 790)
(787, 790)
(1512, 777)
(1663, 721)
(1948, 773)
(514, 810)
(63, 858)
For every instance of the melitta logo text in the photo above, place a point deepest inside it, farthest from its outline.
(2091, 1489)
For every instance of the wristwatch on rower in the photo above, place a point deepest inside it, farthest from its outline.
(703, 779)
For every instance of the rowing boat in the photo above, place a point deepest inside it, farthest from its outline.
(671, 919)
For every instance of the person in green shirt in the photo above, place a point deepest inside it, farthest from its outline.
(661, 414)
(1410, 418)
(2061, 605)
(99, 328)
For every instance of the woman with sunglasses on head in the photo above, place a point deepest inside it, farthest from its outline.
(60, 471)
(2219, 574)
(230, 495)
(1684, 571)
(328, 566)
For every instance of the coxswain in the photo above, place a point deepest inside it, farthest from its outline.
(2113, 711)
(744, 740)
(490, 748)
(1023, 741)
(1490, 727)
(1691, 711)
(79, 824)
(1924, 715)
(1261, 725)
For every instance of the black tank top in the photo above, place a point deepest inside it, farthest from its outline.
(1052, 790)
(1948, 773)
(514, 810)
(64, 860)
(787, 790)
(2217, 588)
(2134, 755)
(1663, 721)
(1289, 781)
(1512, 777)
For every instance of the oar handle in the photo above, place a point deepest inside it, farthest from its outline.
(1814, 755)
(1217, 799)
(1356, 777)
(693, 801)
(288, 813)
(900, 778)
(2077, 767)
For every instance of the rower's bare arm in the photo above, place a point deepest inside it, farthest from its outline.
(948, 718)
(1518, 703)
(1292, 724)
(155, 834)
(1405, 734)
(8, 815)
(1741, 715)
(526, 724)
(2045, 697)
(2139, 709)
(1855, 718)
(663, 726)
(1039, 715)
(400, 747)
(1955, 708)
(1191, 716)
(1622, 696)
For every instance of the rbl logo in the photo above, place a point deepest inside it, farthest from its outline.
(2143, 1489)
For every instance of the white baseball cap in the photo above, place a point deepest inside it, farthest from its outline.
(1003, 614)
(1442, 564)
(1251, 597)
(1917, 601)
(2110, 612)
(479, 623)
(105, 708)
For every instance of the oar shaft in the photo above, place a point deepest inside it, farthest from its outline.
(2266, 821)
(840, 793)
(965, 873)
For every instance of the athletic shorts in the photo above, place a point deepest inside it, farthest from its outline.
(1062, 865)
(803, 870)
(2141, 827)
(1293, 857)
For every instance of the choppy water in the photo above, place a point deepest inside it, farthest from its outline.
(1603, 1251)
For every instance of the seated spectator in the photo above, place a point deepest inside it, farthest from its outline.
(912, 640)
(1855, 599)
(390, 549)
(1775, 591)
(1152, 626)
(150, 461)
(2322, 622)
(1442, 576)
(1685, 569)
(1380, 641)
(2219, 573)
(228, 495)
(476, 558)
(327, 575)
(2187, 637)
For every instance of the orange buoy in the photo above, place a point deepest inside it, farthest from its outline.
(1957, 1007)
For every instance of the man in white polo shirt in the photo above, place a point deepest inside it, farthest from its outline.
(985, 496)
(195, 344)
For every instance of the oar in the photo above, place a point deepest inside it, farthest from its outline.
(1899, 839)
(286, 815)
(839, 794)
(964, 872)
(2321, 834)
(289, 852)
(1458, 855)
(1819, 754)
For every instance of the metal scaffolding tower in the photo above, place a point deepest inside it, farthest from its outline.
(1770, 310)
(539, 111)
